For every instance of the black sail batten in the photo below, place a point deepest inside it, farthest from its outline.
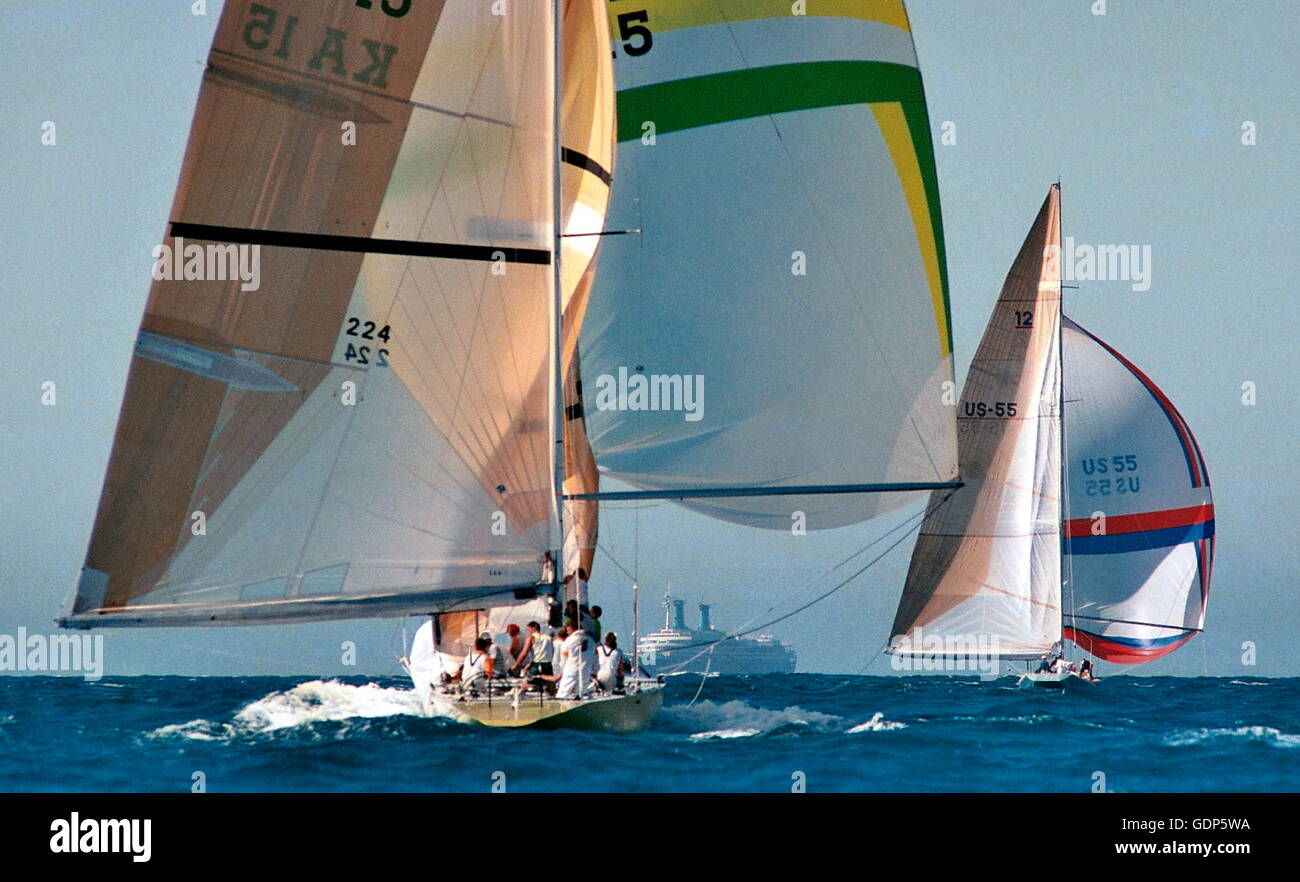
(360, 244)
(586, 163)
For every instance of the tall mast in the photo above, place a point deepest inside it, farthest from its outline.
(557, 304)
(1063, 463)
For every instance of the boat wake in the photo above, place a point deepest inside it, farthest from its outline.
(729, 720)
(303, 706)
(1264, 734)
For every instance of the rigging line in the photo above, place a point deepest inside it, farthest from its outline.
(743, 630)
(614, 560)
(703, 677)
(879, 653)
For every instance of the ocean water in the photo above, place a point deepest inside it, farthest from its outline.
(747, 734)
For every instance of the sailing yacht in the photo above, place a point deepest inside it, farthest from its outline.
(463, 209)
(1086, 514)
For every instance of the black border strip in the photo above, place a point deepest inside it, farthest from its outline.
(360, 244)
(586, 163)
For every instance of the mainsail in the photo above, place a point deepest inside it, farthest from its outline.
(1140, 530)
(985, 571)
(367, 432)
(772, 334)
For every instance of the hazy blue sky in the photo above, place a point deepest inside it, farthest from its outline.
(1139, 112)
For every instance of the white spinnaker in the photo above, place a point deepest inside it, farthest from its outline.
(985, 572)
(401, 458)
(1140, 528)
(788, 266)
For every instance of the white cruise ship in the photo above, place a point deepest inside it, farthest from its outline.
(677, 648)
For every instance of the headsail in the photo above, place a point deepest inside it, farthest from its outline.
(1140, 533)
(365, 433)
(780, 320)
(587, 173)
(985, 572)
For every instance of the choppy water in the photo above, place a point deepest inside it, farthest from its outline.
(742, 734)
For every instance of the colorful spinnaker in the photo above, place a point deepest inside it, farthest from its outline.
(777, 320)
(1002, 567)
(1139, 538)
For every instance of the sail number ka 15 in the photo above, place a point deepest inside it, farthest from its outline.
(333, 52)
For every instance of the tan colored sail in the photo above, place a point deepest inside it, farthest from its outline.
(386, 189)
(586, 173)
(986, 566)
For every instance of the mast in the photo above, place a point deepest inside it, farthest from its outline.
(557, 305)
(1063, 464)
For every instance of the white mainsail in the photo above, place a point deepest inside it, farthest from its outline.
(777, 321)
(985, 571)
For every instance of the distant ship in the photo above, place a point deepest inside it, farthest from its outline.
(677, 649)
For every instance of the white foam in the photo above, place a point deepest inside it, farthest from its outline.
(737, 716)
(721, 734)
(319, 700)
(1266, 734)
(877, 723)
(311, 702)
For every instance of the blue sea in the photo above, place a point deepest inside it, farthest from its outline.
(741, 734)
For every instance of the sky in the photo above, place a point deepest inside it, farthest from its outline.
(1138, 112)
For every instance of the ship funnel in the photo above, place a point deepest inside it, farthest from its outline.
(705, 624)
(679, 615)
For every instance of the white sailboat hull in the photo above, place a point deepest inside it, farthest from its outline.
(613, 713)
(1050, 680)
(631, 712)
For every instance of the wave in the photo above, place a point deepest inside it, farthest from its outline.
(304, 705)
(738, 719)
(1265, 734)
(877, 723)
